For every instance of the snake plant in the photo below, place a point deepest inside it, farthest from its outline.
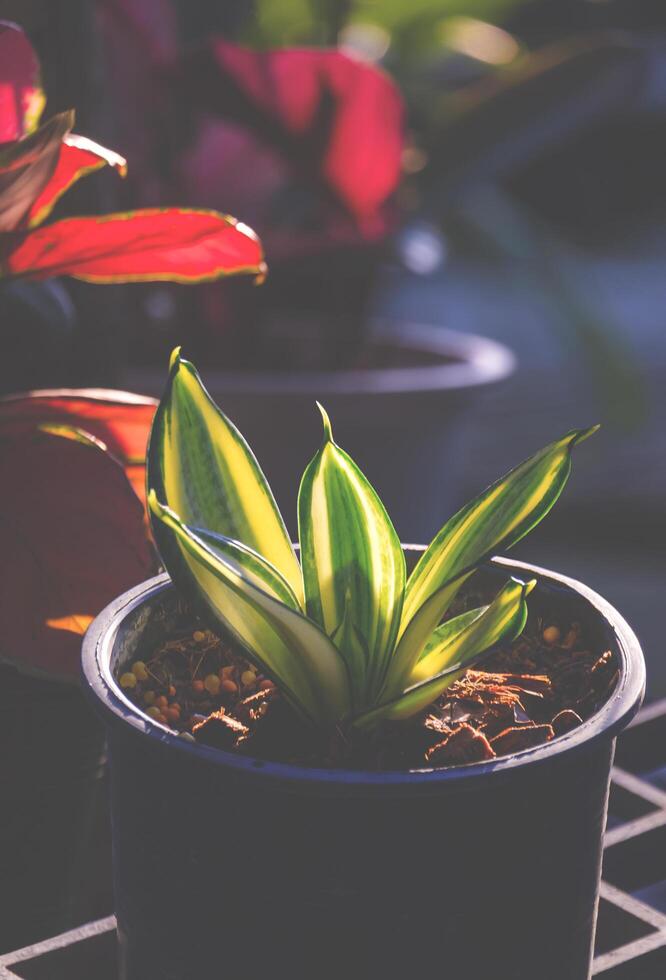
(350, 639)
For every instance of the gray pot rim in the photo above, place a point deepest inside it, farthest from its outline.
(479, 361)
(612, 717)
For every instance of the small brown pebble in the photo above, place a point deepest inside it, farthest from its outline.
(566, 721)
(520, 737)
(551, 635)
(229, 686)
(198, 686)
(219, 730)
(212, 684)
(198, 636)
(266, 685)
(461, 746)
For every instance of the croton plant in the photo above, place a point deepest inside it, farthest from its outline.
(346, 635)
(39, 163)
(73, 532)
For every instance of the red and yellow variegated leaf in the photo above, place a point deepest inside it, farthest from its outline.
(172, 244)
(120, 419)
(78, 156)
(21, 96)
(27, 166)
(72, 537)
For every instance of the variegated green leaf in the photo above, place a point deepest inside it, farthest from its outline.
(251, 565)
(200, 465)
(453, 647)
(414, 639)
(498, 518)
(353, 565)
(280, 640)
(464, 636)
(354, 649)
(409, 703)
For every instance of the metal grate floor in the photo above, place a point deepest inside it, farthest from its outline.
(631, 930)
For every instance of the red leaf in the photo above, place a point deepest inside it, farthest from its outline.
(173, 244)
(72, 537)
(339, 115)
(21, 96)
(27, 166)
(78, 156)
(119, 419)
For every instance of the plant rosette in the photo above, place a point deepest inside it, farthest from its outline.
(348, 870)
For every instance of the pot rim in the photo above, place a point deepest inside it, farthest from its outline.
(480, 361)
(607, 722)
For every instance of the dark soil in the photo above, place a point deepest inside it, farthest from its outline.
(529, 692)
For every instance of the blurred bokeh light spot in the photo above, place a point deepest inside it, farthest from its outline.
(422, 248)
(479, 40)
(159, 304)
(414, 159)
(370, 42)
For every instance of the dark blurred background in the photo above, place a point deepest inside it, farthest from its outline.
(531, 209)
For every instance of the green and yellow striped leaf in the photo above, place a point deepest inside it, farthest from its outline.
(453, 647)
(498, 518)
(415, 637)
(251, 565)
(353, 565)
(280, 640)
(464, 636)
(200, 465)
(354, 649)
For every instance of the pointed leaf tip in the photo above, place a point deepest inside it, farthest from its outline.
(584, 434)
(526, 587)
(174, 360)
(328, 431)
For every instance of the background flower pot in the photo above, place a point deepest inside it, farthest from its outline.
(66, 502)
(404, 401)
(225, 863)
(51, 774)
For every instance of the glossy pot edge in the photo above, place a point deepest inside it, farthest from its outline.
(612, 717)
(479, 361)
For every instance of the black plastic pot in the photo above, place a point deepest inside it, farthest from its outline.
(403, 401)
(51, 792)
(233, 866)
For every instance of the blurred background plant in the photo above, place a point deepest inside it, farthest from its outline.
(527, 206)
